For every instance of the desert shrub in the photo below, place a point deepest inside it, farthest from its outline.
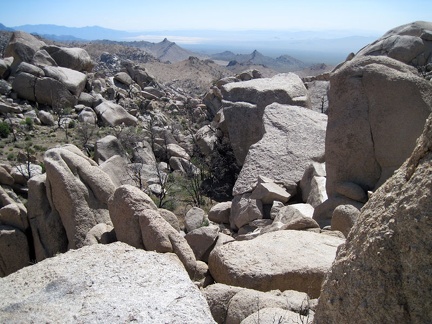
(4, 129)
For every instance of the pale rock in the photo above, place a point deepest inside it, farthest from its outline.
(54, 93)
(87, 116)
(79, 190)
(14, 215)
(112, 283)
(318, 95)
(86, 99)
(106, 148)
(383, 269)
(100, 234)
(315, 169)
(126, 205)
(285, 260)
(202, 240)
(175, 150)
(23, 84)
(218, 297)
(285, 88)
(113, 114)
(294, 138)
(195, 218)
(14, 251)
(269, 192)
(275, 208)
(245, 210)
(171, 218)
(276, 315)
(248, 301)
(318, 193)
(117, 168)
(182, 165)
(386, 103)
(344, 217)
(206, 139)
(23, 172)
(49, 236)
(410, 44)
(123, 78)
(220, 213)
(22, 47)
(213, 100)
(42, 58)
(73, 58)
(5, 177)
(25, 67)
(73, 80)
(46, 118)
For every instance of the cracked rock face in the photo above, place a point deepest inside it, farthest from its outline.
(112, 283)
(378, 107)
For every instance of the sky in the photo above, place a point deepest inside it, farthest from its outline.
(362, 16)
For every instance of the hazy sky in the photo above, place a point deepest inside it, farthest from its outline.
(377, 16)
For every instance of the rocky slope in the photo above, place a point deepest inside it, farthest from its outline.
(261, 146)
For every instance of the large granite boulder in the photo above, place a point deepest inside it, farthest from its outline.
(22, 47)
(244, 102)
(113, 114)
(14, 250)
(73, 80)
(72, 58)
(78, 190)
(410, 44)
(294, 138)
(282, 260)
(385, 103)
(103, 283)
(382, 272)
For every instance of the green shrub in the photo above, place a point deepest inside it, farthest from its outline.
(4, 129)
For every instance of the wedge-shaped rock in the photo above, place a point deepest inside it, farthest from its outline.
(294, 138)
(22, 47)
(382, 273)
(282, 260)
(73, 80)
(73, 58)
(269, 192)
(113, 114)
(112, 283)
(78, 190)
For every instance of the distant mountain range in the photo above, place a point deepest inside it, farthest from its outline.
(284, 63)
(329, 47)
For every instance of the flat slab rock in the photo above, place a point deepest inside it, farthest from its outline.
(113, 283)
(284, 260)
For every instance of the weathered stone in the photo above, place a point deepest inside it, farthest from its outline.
(25, 67)
(54, 93)
(175, 150)
(78, 190)
(24, 84)
(218, 297)
(124, 78)
(100, 234)
(107, 147)
(206, 138)
(14, 250)
(220, 213)
(269, 192)
(46, 118)
(383, 270)
(5, 177)
(318, 192)
(296, 260)
(23, 172)
(117, 168)
(73, 58)
(344, 217)
(202, 240)
(244, 210)
(110, 283)
(49, 236)
(313, 170)
(73, 80)
(125, 207)
(42, 58)
(248, 301)
(22, 47)
(272, 314)
(293, 139)
(195, 218)
(385, 103)
(86, 99)
(14, 215)
(171, 218)
(407, 43)
(283, 88)
(297, 217)
(113, 114)
(88, 116)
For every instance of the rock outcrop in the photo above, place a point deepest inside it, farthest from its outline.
(103, 283)
(382, 272)
(280, 260)
(385, 103)
(78, 191)
(294, 138)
